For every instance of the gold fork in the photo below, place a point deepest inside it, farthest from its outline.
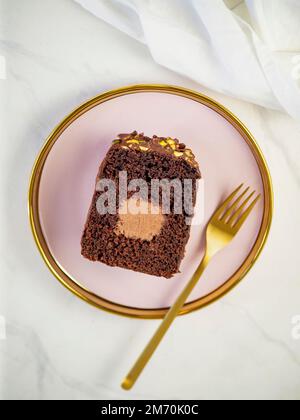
(222, 228)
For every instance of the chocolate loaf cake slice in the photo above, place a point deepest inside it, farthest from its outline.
(138, 218)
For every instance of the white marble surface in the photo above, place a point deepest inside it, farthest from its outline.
(57, 346)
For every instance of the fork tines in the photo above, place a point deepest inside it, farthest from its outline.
(234, 213)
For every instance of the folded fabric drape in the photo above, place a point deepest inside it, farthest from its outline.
(255, 59)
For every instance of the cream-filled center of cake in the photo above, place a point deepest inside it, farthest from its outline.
(139, 219)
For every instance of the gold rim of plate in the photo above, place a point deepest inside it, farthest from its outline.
(113, 307)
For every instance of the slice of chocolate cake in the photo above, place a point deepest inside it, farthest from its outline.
(142, 206)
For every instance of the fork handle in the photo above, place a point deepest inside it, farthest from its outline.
(145, 356)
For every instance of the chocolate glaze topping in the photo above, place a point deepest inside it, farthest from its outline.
(166, 145)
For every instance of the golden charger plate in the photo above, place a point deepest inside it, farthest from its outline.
(140, 96)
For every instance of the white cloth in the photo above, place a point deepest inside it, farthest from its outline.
(255, 59)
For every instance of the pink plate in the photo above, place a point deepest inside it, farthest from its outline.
(64, 178)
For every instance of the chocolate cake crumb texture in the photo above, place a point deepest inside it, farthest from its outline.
(151, 244)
